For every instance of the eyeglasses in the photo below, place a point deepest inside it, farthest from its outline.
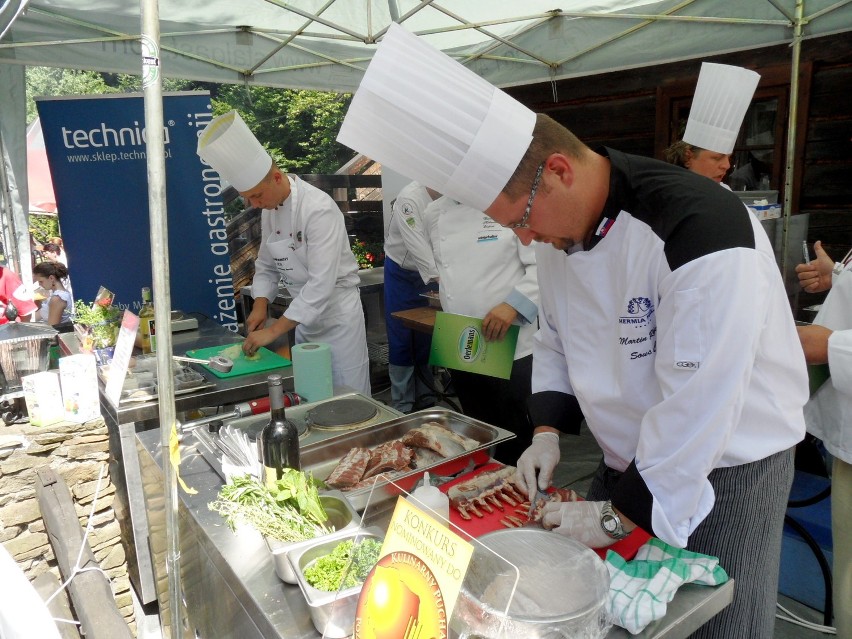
(523, 224)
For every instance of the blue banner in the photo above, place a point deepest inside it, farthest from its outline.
(96, 151)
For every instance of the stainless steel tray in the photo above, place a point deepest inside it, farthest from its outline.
(321, 458)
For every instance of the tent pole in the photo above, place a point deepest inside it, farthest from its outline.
(155, 153)
(791, 131)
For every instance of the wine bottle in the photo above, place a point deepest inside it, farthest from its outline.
(279, 439)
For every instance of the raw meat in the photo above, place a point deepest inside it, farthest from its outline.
(350, 469)
(390, 456)
(442, 440)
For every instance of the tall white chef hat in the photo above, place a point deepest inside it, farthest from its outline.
(424, 115)
(720, 103)
(228, 146)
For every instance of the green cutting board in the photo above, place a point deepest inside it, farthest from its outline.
(268, 361)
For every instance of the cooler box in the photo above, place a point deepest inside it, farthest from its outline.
(801, 577)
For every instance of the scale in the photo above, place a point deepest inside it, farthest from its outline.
(181, 322)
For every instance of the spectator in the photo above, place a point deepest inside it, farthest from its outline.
(16, 302)
(58, 306)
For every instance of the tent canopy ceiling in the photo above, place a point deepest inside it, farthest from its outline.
(327, 44)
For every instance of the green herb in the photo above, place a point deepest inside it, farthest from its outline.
(103, 321)
(346, 566)
(274, 513)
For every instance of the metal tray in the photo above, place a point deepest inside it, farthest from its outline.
(321, 458)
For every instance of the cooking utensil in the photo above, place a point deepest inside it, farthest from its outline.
(217, 362)
(539, 494)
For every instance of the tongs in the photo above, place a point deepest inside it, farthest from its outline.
(217, 362)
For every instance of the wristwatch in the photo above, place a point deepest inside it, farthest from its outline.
(611, 523)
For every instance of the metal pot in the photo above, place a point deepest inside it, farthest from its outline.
(24, 349)
(527, 582)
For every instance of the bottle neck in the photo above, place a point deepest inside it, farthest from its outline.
(276, 400)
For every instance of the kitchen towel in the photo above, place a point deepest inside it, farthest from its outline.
(640, 589)
(312, 371)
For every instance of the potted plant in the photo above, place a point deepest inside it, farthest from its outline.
(97, 325)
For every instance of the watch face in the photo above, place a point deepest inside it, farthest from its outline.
(609, 523)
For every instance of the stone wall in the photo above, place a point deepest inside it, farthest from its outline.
(77, 452)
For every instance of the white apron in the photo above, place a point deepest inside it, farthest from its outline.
(342, 324)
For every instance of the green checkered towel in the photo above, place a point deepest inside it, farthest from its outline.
(640, 590)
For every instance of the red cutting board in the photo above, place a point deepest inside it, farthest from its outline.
(268, 361)
(477, 526)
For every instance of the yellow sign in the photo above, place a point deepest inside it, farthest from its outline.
(411, 592)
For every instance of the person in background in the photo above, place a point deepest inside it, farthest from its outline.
(304, 244)
(663, 319)
(59, 305)
(486, 272)
(16, 301)
(52, 252)
(61, 256)
(409, 273)
(722, 97)
(828, 414)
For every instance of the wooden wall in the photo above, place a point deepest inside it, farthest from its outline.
(622, 109)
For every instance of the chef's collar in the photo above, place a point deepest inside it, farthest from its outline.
(618, 195)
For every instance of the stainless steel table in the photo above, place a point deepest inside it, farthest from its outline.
(230, 588)
(125, 420)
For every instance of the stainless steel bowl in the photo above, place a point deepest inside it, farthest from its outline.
(341, 517)
(333, 613)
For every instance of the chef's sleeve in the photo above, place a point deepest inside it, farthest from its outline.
(412, 225)
(524, 296)
(840, 361)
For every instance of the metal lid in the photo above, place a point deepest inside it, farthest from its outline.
(25, 331)
(559, 579)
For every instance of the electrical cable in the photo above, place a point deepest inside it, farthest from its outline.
(799, 621)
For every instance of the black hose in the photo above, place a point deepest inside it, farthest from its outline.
(823, 564)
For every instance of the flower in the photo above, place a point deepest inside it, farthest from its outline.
(368, 254)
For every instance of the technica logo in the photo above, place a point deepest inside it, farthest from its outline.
(471, 344)
(104, 137)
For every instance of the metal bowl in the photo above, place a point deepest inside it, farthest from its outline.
(528, 582)
(333, 613)
(341, 517)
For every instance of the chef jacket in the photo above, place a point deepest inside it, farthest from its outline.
(482, 264)
(672, 334)
(304, 244)
(828, 414)
(406, 242)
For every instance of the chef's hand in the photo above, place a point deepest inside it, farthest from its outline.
(579, 520)
(815, 276)
(264, 336)
(540, 458)
(257, 317)
(497, 322)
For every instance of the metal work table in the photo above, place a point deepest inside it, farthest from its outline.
(125, 420)
(229, 583)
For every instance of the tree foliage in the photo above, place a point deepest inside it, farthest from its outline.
(298, 127)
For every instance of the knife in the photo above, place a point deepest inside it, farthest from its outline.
(539, 494)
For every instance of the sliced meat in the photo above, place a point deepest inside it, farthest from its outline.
(350, 469)
(424, 457)
(438, 438)
(390, 456)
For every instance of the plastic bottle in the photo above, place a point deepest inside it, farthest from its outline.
(431, 500)
(279, 439)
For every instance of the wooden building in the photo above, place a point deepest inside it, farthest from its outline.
(643, 110)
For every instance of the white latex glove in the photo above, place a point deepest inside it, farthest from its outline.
(541, 456)
(580, 520)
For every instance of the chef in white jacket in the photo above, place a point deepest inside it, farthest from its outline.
(303, 244)
(829, 412)
(663, 319)
(409, 273)
(487, 272)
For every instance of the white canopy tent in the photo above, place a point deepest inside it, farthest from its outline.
(327, 44)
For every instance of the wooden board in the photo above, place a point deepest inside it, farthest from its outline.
(268, 361)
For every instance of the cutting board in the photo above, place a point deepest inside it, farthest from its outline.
(476, 527)
(268, 361)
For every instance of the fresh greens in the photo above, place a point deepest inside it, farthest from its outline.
(332, 572)
(102, 321)
(292, 511)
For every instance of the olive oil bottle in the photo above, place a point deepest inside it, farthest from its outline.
(146, 317)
